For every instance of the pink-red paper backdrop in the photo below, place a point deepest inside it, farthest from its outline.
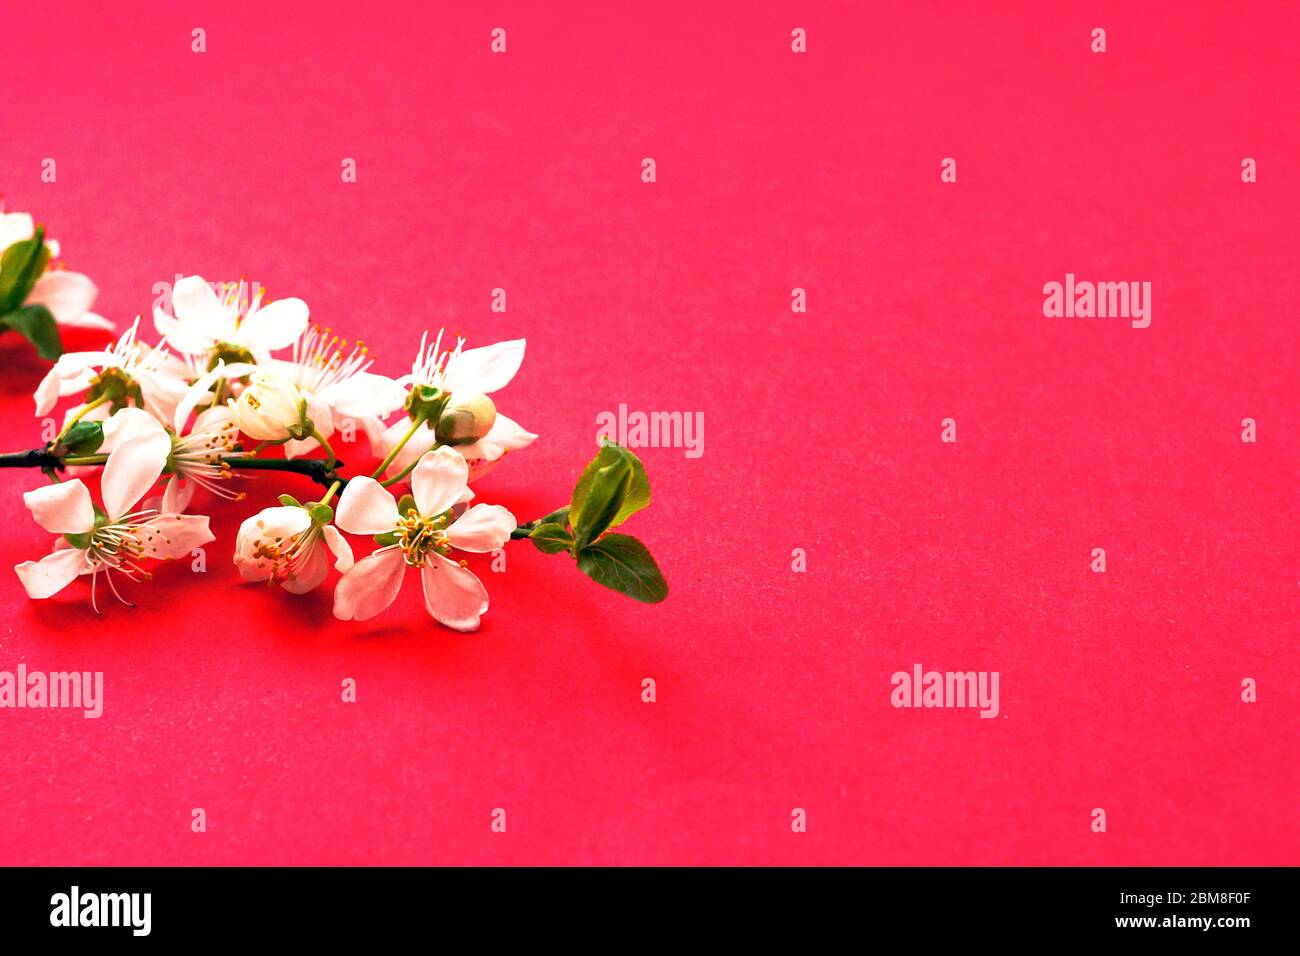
(775, 170)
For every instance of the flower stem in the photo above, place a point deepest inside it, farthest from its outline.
(410, 433)
(324, 444)
(88, 407)
(330, 493)
(401, 474)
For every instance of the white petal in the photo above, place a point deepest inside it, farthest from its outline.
(485, 369)
(274, 326)
(423, 440)
(71, 373)
(509, 435)
(76, 383)
(174, 536)
(294, 448)
(310, 574)
(236, 370)
(174, 332)
(339, 545)
(504, 435)
(16, 227)
(63, 508)
(198, 307)
(374, 427)
(47, 393)
(71, 364)
(199, 392)
(452, 594)
(366, 507)
(365, 395)
(161, 393)
(370, 585)
(200, 317)
(52, 573)
(284, 521)
(128, 423)
(482, 528)
(131, 470)
(211, 419)
(253, 570)
(438, 481)
(178, 495)
(68, 295)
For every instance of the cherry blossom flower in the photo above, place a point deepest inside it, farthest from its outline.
(421, 538)
(456, 369)
(127, 370)
(235, 327)
(68, 295)
(115, 538)
(288, 546)
(336, 384)
(197, 458)
(462, 372)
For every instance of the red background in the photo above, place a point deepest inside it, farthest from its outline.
(775, 170)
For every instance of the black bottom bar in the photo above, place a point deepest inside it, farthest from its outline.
(1162, 906)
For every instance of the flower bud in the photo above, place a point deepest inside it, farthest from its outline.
(466, 419)
(270, 408)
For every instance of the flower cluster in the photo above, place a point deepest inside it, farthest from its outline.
(171, 426)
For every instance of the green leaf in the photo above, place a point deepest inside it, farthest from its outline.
(608, 490)
(21, 266)
(559, 516)
(622, 563)
(36, 325)
(83, 438)
(551, 538)
(638, 494)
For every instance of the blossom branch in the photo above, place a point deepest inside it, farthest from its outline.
(166, 425)
(322, 472)
(41, 458)
(318, 470)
